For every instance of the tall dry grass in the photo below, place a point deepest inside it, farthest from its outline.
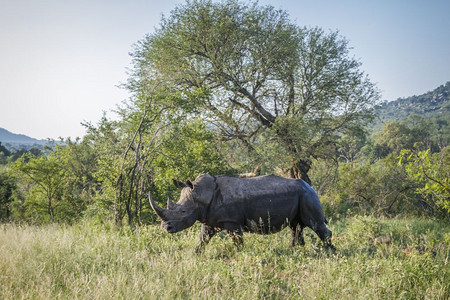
(87, 261)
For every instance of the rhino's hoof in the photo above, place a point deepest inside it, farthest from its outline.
(331, 248)
(199, 250)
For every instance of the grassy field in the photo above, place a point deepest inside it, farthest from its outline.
(85, 261)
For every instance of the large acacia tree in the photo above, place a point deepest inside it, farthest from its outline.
(247, 69)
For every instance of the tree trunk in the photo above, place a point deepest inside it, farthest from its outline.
(118, 203)
(129, 212)
(300, 169)
(50, 210)
(119, 216)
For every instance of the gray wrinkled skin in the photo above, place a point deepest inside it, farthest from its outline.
(264, 204)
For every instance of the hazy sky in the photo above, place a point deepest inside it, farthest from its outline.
(61, 61)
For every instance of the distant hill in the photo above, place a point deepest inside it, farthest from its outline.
(432, 105)
(19, 141)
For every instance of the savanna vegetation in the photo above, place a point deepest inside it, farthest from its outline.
(224, 87)
(377, 259)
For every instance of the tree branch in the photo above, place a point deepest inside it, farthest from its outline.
(269, 118)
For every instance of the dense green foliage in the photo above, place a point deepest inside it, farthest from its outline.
(376, 259)
(7, 187)
(229, 88)
(433, 170)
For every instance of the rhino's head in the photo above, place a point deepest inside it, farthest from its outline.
(195, 198)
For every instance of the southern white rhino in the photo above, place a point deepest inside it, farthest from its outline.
(264, 204)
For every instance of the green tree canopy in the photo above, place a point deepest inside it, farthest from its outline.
(247, 69)
(432, 171)
(46, 174)
(7, 188)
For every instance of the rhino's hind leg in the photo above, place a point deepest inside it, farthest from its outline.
(325, 235)
(297, 235)
(206, 233)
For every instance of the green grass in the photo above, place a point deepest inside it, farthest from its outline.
(88, 261)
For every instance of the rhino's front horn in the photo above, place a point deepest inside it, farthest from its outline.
(160, 212)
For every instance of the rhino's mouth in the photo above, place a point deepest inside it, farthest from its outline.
(168, 227)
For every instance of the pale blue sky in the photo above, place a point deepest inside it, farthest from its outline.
(60, 61)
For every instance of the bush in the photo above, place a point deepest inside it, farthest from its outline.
(380, 188)
(431, 172)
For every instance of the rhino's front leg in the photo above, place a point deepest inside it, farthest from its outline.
(235, 231)
(206, 233)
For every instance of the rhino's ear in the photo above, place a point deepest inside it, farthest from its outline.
(178, 184)
(189, 184)
(182, 185)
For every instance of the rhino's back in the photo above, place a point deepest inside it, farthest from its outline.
(239, 189)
